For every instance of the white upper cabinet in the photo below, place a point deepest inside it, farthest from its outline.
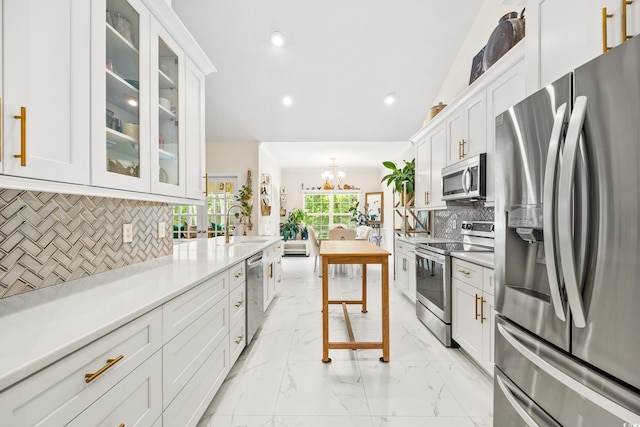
(431, 156)
(564, 34)
(167, 132)
(94, 100)
(46, 85)
(194, 132)
(120, 155)
(504, 92)
(467, 130)
(466, 127)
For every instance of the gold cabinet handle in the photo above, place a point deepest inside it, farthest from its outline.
(460, 149)
(605, 16)
(206, 182)
(23, 136)
(426, 197)
(465, 272)
(270, 270)
(463, 142)
(477, 314)
(482, 318)
(239, 275)
(110, 363)
(240, 338)
(122, 425)
(239, 303)
(625, 36)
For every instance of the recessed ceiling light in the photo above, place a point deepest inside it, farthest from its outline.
(286, 100)
(277, 39)
(390, 99)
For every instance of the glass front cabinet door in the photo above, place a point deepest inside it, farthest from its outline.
(121, 150)
(167, 134)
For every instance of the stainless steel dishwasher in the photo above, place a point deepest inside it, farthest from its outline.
(255, 295)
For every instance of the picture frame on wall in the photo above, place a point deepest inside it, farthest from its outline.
(477, 67)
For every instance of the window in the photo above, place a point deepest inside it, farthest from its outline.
(221, 193)
(185, 221)
(328, 208)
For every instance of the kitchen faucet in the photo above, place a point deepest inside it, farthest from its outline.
(226, 225)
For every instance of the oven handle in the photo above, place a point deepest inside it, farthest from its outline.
(430, 256)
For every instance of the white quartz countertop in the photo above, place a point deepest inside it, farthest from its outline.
(485, 259)
(37, 328)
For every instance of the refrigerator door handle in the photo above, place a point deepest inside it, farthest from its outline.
(573, 384)
(548, 216)
(514, 403)
(565, 214)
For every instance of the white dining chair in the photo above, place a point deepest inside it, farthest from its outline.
(342, 234)
(314, 246)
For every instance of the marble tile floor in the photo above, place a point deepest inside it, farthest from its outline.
(280, 380)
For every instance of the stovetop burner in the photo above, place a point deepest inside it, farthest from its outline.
(477, 237)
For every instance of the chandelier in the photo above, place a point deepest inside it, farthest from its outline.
(329, 176)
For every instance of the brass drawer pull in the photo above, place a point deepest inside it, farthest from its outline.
(23, 136)
(482, 318)
(239, 303)
(206, 183)
(625, 36)
(465, 272)
(110, 363)
(426, 197)
(239, 340)
(605, 16)
(122, 425)
(239, 275)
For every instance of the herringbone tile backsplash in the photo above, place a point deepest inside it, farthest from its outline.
(445, 219)
(50, 238)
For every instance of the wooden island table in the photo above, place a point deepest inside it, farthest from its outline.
(354, 252)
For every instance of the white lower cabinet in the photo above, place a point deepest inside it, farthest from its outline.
(183, 355)
(405, 268)
(162, 368)
(189, 405)
(135, 401)
(272, 267)
(57, 394)
(473, 314)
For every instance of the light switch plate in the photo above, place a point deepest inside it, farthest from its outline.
(127, 233)
(162, 226)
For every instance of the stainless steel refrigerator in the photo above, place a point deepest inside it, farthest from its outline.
(567, 249)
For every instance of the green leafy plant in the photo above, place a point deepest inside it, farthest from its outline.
(399, 176)
(359, 217)
(244, 196)
(293, 225)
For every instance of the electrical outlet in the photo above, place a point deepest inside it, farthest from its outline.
(454, 223)
(127, 233)
(162, 230)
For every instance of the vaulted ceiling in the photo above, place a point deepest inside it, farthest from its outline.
(339, 61)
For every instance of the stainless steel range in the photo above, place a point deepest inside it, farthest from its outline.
(433, 276)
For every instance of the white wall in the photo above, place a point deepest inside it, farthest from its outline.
(269, 225)
(236, 158)
(367, 180)
(458, 76)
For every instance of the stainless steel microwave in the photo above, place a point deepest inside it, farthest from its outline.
(465, 180)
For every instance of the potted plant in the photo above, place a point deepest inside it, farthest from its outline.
(245, 197)
(358, 217)
(292, 226)
(402, 179)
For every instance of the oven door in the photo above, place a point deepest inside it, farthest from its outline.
(433, 283)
